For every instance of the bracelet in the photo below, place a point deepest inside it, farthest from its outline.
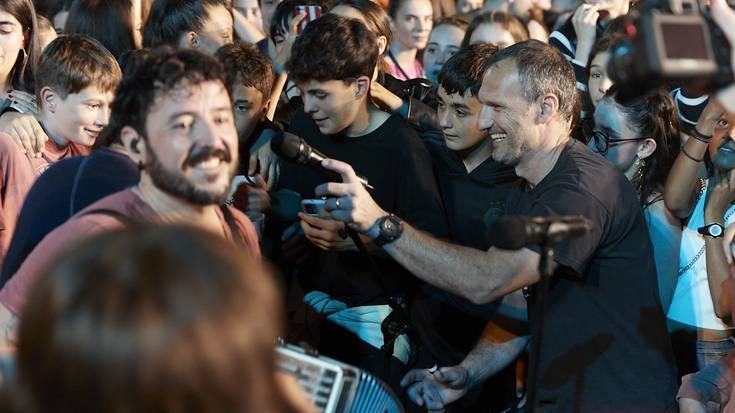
(700, 136)
(690, 156)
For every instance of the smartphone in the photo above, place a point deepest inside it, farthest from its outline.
(313, 207)
(312, 13)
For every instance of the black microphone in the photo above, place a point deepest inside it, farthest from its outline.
(516, 232)
(294, 149)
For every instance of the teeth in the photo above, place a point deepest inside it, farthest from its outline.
(498, 136)
(208, 164)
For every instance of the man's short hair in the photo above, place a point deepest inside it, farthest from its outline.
(168, 20)
(543, 69)
(333, 48)
(70, 64)
(464, 70)
(149, 75)
(246, 65)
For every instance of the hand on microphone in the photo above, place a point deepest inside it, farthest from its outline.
(349, 201)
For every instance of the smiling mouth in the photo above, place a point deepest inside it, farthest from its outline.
(496, 137)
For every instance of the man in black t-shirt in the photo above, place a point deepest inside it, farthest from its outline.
(332, 62)
(605, 346)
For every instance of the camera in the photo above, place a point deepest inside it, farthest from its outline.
(674, 42)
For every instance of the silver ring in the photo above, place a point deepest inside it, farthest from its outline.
(336, 204)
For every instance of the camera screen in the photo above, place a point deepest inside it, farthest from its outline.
(684, 40)
(311, 209)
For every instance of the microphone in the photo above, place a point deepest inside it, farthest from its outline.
(294, 149)
(516, 232)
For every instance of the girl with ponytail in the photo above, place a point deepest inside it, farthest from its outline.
(641, 138)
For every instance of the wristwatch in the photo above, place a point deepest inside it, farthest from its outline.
(713, 230)
(391, 228)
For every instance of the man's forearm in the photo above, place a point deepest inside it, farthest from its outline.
(480, 276)
(488, 358)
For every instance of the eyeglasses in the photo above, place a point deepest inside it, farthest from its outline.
(603, 142)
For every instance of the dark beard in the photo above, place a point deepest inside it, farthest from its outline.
(180, 187)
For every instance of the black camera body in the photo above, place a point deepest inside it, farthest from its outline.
(673, 42)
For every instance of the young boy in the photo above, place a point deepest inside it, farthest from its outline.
(75, 82)
(332, 62)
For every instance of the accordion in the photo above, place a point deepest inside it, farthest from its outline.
(335, 387)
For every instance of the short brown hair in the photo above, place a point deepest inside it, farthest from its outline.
(507, 21)
(246, 65)
(151, 319)
(72, 63)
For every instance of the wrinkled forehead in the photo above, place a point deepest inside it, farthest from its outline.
(501, 81)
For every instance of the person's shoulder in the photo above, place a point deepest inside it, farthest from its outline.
(8, 148)
(397, 130)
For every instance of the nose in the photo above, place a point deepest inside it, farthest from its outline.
(485, 119)
(103, 116)
(444, 120)
(605, 84)
(310, 105)
(423, 25)
(731, 133)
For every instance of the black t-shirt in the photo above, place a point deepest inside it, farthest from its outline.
(396, 163)
(66, 188)
(605, 346)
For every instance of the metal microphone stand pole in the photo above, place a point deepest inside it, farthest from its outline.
(546, 270)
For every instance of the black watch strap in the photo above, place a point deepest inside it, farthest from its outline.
(391, 228)
(713, 230)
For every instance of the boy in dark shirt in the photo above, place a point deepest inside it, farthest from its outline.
(332, 63)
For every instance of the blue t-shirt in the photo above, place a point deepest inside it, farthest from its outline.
(66, 188)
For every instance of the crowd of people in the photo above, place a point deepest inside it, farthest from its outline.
(157, 240)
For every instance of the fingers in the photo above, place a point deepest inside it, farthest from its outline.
(415, 393)
(454, 377)
(727, 239)
(335, 189)
(252, 164)
(413, 376)
(28, 135)
(343, 169)
(259, 181)
(294, 29)
(273, 170)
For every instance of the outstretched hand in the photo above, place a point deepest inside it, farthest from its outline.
(349, 201)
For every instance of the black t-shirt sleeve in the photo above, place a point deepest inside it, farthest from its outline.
(419, 201)
(567, 199)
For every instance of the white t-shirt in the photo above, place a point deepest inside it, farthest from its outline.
(692, 302)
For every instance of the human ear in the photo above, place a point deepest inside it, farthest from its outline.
(646, 148)
(136, 149)
(363, 86)
(549, 105)
(49, 99)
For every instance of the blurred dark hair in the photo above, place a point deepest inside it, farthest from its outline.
(244, 64)
(72, 63)
(21, 76)
(464, 71)
(507, 21)
(150, 74)
(156, 319)
(654, 116)
(169, 19)
(108, 21)
(333, 48)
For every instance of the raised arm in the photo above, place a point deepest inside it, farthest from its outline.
(682, 185)
(479, 276)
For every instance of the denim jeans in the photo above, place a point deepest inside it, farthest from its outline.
(708, 352)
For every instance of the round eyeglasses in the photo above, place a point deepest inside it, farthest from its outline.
(603, 142)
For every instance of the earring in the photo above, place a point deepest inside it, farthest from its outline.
(639, 172)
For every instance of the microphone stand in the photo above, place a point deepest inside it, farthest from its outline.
(545, 269)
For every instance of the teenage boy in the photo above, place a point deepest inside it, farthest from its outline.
(75, 82)
(332, 63)
(474, 188)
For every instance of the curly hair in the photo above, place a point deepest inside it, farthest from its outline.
(150, 74)
(333, 48)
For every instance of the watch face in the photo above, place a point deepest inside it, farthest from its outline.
(715, 230)
(390, 228)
